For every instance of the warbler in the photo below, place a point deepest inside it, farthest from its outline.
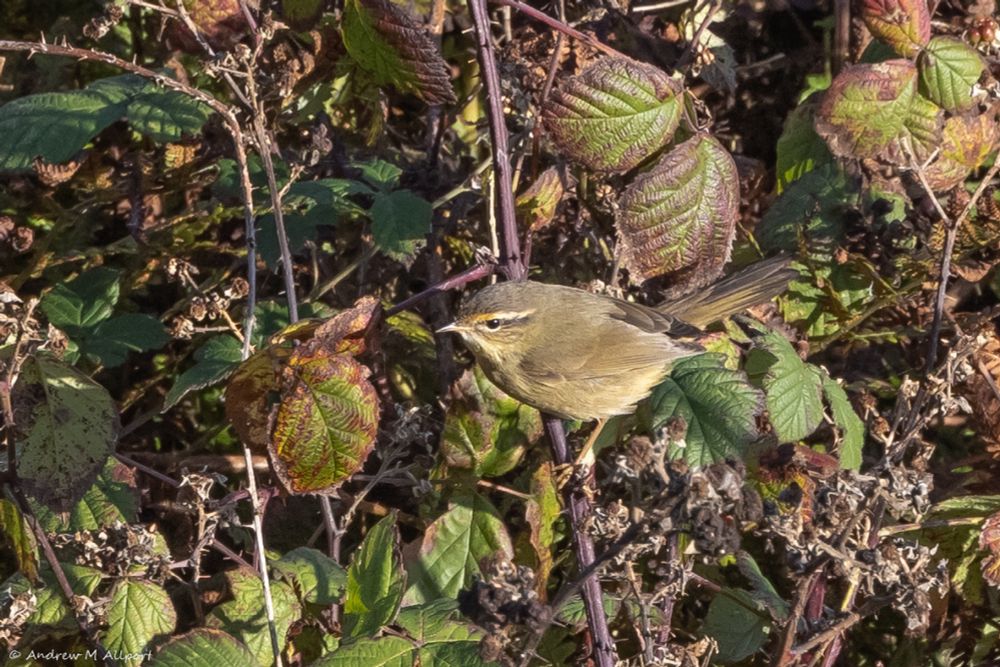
(578, 355)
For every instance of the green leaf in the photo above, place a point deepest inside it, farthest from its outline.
(668, 223)
(70, 426)
(949, 68)
(203, 648)
(83, 302)
(456, 654)
(739, 632)
(19, 538)
(214, 362)
(851, 427)
(903, 24)
(112, 340)
(799, 149)
(56, 126)
(113, 497)
(816, 205)
(244, 617)
(792, 387)
(763, 590)
(485, 429)
(326, 422)
(381, 174)
(375, 582)
(453, 546)
(386, 651)
(308, 205)
(718, 405)
(140, 612)
(869, 108)
(390, 44)
(316, 577)
(437, 622)
(614, 114)
(400, 223)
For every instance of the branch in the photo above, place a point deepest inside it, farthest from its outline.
(510, 255)
(562, 27)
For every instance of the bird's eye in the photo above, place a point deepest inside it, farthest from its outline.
(493, 324)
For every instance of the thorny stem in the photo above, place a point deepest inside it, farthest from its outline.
(514, 268)
(590, 588)
(502, 177)
(471, 274)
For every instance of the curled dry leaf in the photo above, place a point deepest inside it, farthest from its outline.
(680, 217)
(614, 115)
(536, 206)
(905, 25)
(387, 41)
(966, 141)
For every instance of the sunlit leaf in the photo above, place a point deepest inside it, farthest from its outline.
(731, 622)
(386, 41)
(851, 427)
(870, 107)
(967, 140)
(113, 497)
(717, 405)
(486, 430)
(453, 546)
(388, 651)
(791, 386)
(613, 115)
(799, 149)
(203, 647)
(18, 537)
(536, 206)
(326, 421)
(680, 217)
(316, 577)
(375, 582)
(140, 612)
(949, 68)
(55, 126)
(903, 24)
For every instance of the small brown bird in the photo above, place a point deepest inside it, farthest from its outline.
(578, 355)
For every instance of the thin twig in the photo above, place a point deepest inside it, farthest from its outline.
(692, 48)
(556, 24)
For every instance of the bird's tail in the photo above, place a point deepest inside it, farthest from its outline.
(749, 286)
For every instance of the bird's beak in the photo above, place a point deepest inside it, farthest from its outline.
(454, 326)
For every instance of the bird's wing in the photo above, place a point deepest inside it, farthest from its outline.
(651, 320)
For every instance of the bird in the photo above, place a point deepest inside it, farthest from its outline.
(583, 356)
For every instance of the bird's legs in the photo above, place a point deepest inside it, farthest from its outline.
(585, 460)
(586, 455)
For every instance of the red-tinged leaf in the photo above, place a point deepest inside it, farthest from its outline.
(536, 206)
(905, 25)
(966, 142)
(680, 217)
(949, 69)
(344, 332)
(989, 541)
(248, 399)
(614, 115)
(326, 422)
(390, 44)
(869, 109)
